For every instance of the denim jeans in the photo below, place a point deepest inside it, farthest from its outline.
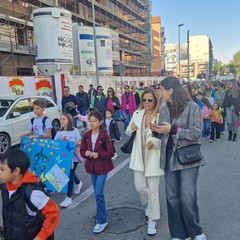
(206, 128)
(84, 113)
(72, 179)
(223, 124)
(182, 207)
(98, 183)
(75, 122)
(129, 116)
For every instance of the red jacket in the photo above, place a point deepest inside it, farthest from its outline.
(103, 164)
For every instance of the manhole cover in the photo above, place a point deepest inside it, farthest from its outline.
(125, 220)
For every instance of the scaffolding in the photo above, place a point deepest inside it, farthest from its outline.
(130, 19)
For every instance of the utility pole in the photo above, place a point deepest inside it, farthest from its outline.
(188, 57)
(179, 49)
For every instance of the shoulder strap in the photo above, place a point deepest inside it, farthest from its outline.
(28, 191)
(44, 121)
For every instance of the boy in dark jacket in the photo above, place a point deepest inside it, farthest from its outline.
(112, 128)
(27, 215)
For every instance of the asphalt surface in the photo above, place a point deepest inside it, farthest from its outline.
(218, 199)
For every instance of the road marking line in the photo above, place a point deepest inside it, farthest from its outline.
(87, 193)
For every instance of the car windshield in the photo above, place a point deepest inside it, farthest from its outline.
(5, 105)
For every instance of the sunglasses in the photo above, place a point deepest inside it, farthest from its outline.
(147, 100)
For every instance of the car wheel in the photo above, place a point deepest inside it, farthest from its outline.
(5, 143)
(56, 124)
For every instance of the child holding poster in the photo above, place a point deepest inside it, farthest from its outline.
(68, 133)
(97, 148)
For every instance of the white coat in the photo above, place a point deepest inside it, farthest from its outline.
(150, 166)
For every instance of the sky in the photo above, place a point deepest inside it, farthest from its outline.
(218, 19)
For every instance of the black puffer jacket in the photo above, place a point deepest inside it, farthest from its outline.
(17, 223)
(114, 130)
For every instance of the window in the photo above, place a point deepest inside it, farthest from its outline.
(22, 107)
(102, 43)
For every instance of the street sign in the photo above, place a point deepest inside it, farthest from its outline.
(121, 68)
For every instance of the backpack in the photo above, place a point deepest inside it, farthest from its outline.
(53, 130)
(28, 191)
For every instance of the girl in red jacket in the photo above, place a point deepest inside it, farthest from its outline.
(97, 148)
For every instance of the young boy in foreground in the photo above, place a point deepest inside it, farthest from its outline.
(20, 221)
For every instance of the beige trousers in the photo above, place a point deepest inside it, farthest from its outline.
(148, 188)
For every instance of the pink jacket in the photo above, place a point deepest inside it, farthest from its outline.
(206, 112)
(132, 103)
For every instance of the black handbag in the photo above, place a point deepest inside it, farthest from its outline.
(127, 146)
(189, 154)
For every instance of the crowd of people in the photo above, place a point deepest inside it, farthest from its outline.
(165, 117)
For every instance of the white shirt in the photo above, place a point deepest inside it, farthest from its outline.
(94, 139)
(37, 126)
(70, 136)
(107, 122)
(37, 198)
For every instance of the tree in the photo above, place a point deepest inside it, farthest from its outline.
(218, 69)
(236, 62)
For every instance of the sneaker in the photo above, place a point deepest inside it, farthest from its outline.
(100, 227)
(115, 156)
(222, 133)
(203, 139)
(218, 139)
(211, 141)
(200, 237)
(151, 230)
(77, 188)
(66, 202)
(176, 239)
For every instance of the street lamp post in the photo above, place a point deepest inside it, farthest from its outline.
(179, 49)
(188, 56)
(95, 41)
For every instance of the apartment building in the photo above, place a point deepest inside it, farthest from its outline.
(200, 58)
(171, 59)
(158, 40)
(130, 19)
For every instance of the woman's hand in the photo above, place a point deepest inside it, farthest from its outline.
(164, 128)
(134, 126)
(114, 104)
(37, 238)
(149, 145)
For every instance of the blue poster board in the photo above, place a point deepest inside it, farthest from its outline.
(51, 160)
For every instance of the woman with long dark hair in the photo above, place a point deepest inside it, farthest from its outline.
(112, 101)
(232, 104)
(180, 125)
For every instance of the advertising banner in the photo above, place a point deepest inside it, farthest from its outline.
(51, 161)
(16, 86)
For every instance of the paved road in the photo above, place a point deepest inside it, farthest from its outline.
(218, 194)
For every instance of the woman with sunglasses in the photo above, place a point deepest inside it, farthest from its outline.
(180, 124)
(145, 156)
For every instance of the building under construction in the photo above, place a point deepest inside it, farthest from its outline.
(131, 19)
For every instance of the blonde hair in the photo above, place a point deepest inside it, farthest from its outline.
(155, 99)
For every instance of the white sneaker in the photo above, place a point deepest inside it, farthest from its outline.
(115, 156)
(176, 239)
(200, 237)
(77, 188)
(100, 227)
(66, 202)
(151, 230)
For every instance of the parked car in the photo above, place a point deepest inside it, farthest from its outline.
(15, 117)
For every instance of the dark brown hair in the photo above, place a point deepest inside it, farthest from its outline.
(179, 96)
(70, 122)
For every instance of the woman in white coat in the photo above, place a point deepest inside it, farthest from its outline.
(145, 156)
